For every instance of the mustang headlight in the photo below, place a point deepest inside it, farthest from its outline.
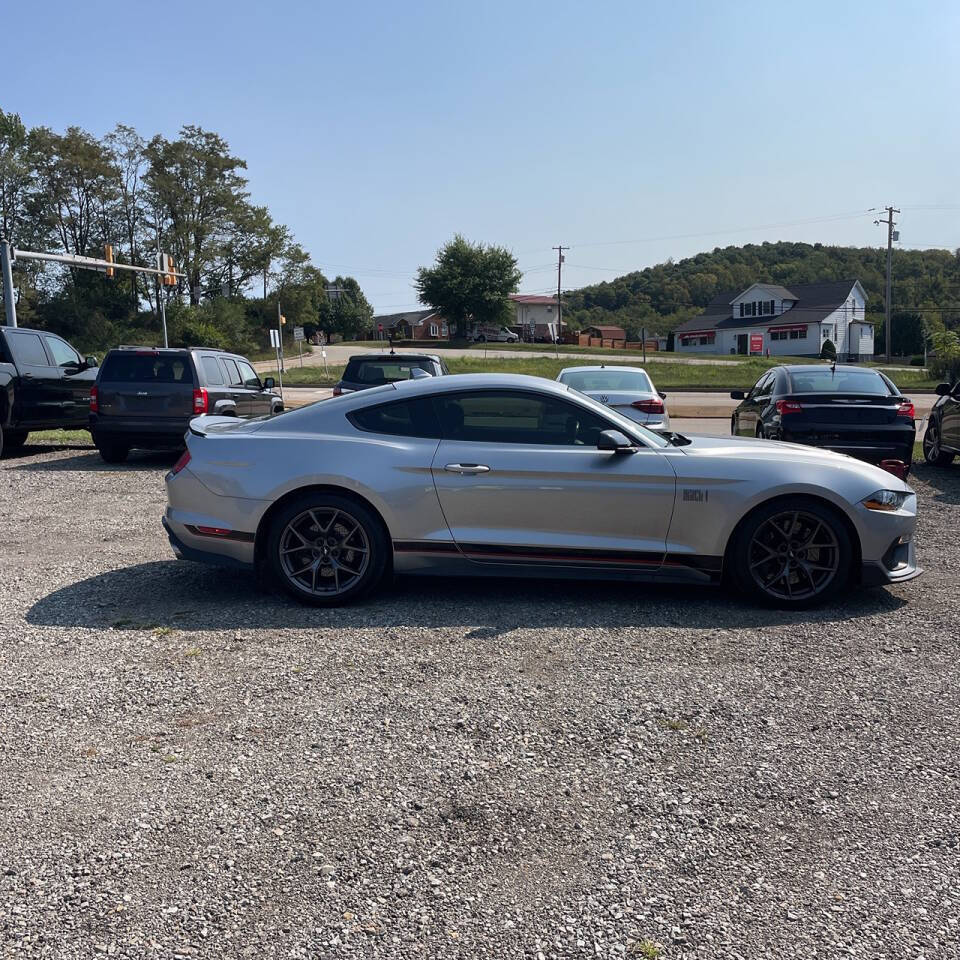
(885, 500)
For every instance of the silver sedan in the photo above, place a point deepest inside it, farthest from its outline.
(497, 475)
(629, 390)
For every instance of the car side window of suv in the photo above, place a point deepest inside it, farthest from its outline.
(27, 350)
(212, 371)
(496, 416)
(233, 374)
(63, 354)
(250, 378)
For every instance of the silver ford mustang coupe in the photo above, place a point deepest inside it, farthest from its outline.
(498, 475)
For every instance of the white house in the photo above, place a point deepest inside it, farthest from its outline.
(536, 316)
(770, 319)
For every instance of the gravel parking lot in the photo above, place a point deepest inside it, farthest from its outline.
(192, 768)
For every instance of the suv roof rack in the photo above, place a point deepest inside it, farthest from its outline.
(209, 349)
(142, 346)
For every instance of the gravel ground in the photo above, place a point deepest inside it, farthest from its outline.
(190, 768)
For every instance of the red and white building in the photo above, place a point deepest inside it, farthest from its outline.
(769, 319)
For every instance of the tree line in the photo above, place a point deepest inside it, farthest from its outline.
(926, 287)
(73, 193)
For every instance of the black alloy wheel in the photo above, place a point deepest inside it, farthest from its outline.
(325, 549)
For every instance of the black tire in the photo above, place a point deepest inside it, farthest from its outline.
(760, 434)
(932, 451)
(807, 564)
(733, 426)
(311, 567)
(481, 339)
(13, 439)
(112, 452)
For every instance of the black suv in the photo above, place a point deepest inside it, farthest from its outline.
(375, 369)
(147, 396)
(44, 385)
(852, 410)
(941, 441)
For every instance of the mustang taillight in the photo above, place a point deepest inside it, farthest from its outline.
(182, 462)
(201, 402)
(906, 409)
(94, 400)
(789, 406)
(648, 406)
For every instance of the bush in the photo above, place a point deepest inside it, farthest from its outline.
(917, 360)
(946, 364)
(219, 323)
(828, 351)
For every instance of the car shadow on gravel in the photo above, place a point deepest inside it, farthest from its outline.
(187, 596)
(944, 480)
(92, 461)
(34, 450)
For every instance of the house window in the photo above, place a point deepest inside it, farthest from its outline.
(434, 330)
(798, 334)
(444, 329)
(778, 335)
(742, 305)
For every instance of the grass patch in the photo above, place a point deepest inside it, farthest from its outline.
(59, 438)
(647, 949)
(667, 375)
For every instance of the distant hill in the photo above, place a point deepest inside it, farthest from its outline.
(925, 282)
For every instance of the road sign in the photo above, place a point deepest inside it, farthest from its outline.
(756, 343)
(380, 327)
(275, 339)
(298, 333)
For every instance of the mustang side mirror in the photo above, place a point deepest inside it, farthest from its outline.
(943, 390)
(269, 383)
(616, 441)
(736, 394)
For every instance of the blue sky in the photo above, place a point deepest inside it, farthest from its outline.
(630, 131)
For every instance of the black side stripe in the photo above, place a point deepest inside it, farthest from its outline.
(563, 555)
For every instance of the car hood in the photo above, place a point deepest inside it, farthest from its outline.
(746, 448)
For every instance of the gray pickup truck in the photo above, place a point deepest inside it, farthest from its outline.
(44, 385)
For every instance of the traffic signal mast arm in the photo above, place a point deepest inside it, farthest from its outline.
(92, 263)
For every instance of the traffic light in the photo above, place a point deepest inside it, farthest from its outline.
(283, 319)
(108, 256)
(168, 270)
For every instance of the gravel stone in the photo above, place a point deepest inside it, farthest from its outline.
(190, 767)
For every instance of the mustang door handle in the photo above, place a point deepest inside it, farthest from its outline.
(467, 468)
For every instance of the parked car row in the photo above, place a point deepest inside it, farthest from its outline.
(139, 397)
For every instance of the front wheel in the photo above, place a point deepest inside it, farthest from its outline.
(481, 339)
(326, 549)
(933, 452)
(793, 553)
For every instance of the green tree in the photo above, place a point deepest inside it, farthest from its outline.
(198, 196)
(470, 282)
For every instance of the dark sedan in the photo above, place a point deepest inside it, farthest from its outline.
(852, 410)
(941, 442)
(375, 369)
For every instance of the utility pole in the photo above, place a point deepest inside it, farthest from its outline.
(560, 259)
(891, 236)
(5, 265)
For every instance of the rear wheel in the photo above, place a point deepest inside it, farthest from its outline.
(792, 553)
(933, 452)
(760, 434)
(13, 440)
(326, 549)
(113, 452)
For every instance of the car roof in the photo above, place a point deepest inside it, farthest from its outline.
(479, 381)
(810, 367)
(380, 357)
(603, 366)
